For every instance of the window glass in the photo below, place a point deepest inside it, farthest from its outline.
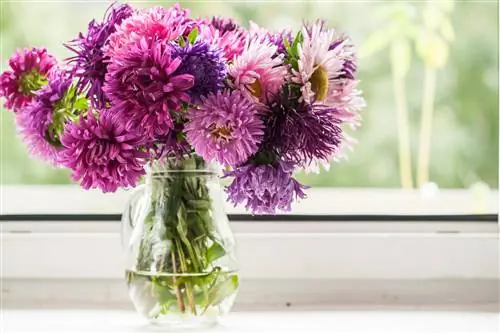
(433, 66)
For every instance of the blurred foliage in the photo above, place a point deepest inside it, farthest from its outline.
(465, 121)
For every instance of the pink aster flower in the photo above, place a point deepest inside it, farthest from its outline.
(226, 128)
(258, 72)
(28, 73)
(144, 86)
(102, 152)
(153, 24)
(231, 39)
(318, 65)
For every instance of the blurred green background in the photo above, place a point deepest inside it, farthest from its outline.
(440, 56)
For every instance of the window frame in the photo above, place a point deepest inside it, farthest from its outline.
(71, 199)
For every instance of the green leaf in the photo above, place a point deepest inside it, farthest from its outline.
(199, 204)
(181, 41)
(294, 49)
(215, 252)
(375, 43)
(401, 57)
(165, 294)
(286, 43)
(192, 36)
(225, 287)
(81, 104)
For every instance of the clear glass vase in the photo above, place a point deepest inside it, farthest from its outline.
(181, 267)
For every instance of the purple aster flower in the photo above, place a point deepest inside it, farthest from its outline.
(278, 39)
(300, 132)
(102, 152)
(224, 24)
(226, 127)
(205, 63)
(41, 122)
(264, 188)
(28, 73)
(90, 63)
(145, 86)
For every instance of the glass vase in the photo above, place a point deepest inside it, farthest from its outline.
(181, 267)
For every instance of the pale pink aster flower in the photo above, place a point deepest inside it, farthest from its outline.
(348, 100)
(318, 65)
(258, 72)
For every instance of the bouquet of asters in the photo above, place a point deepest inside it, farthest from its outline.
(158, 85)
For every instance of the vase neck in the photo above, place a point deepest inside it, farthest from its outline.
(192, 164)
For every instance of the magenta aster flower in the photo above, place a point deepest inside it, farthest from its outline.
(264, 188)
(90, 63)
(145, 86)
(258, 72)
(225, 128)
(43, 119)
(153, 24)
(205, 63)
(28, 73)
(102, 152)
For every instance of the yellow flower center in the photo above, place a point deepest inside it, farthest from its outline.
(319, 83)
(221, 133)
(255, 88)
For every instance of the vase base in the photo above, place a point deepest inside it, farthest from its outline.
(183, 323)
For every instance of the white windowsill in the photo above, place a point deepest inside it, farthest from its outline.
(78, 321)
(320, 264)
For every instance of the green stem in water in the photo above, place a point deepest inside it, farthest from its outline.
(426, 125)
(403, 131)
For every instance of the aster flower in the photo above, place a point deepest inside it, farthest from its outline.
(225, 128)
(257, 73)
(224, 24)
(90, 63)
(102, 152)
(205, 63)
(299, 132)
(318, 65)
(349, 68)
(171, 144)
(275, 38)
(28, 73)
(145, 86)
(153, 24)
(43, 119)
(264, 188)
(348, 101)
(231, 42)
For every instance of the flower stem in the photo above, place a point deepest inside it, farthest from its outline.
(403, 132)
(426, 126)
(180, 303)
